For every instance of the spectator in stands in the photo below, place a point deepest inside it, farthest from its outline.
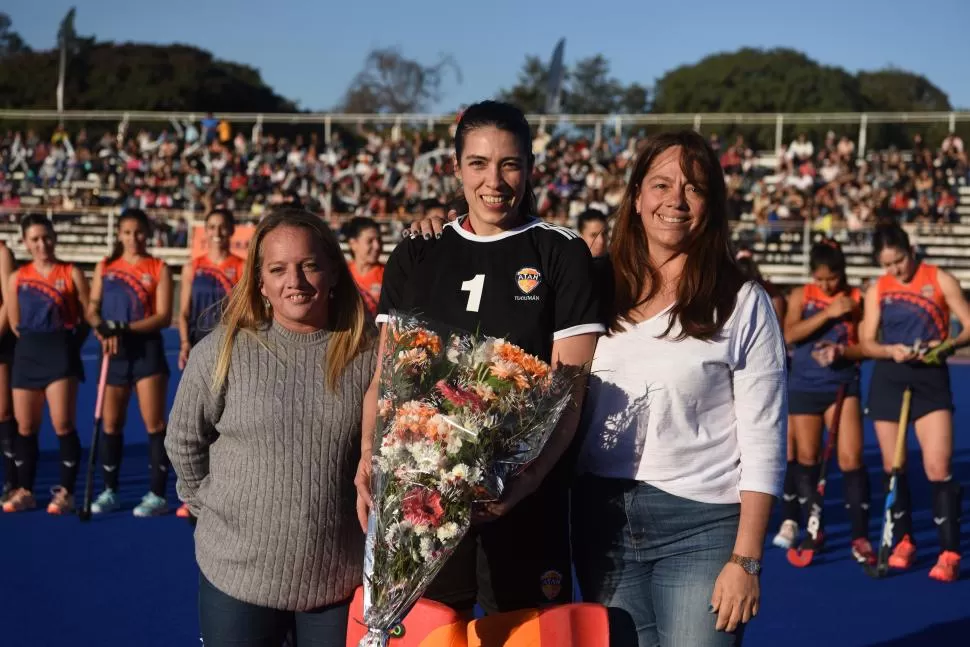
(265, 439)
(363, 237)
(594, 227)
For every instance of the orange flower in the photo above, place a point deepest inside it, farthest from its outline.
(412, 421)
(428, 340)
(510, 372)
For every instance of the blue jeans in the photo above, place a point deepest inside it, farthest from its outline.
(228, 622)
(652, 558)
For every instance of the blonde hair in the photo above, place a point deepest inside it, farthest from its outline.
(247, 311)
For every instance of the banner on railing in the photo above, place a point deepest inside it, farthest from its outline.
(238, 245)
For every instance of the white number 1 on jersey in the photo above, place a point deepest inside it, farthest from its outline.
(474, 289)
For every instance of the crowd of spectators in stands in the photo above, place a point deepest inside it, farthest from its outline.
(388, 173)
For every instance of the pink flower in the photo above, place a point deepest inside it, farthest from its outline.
(460, 397)
(422, 507)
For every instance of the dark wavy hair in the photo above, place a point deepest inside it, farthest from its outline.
(828, 253)
(711, 279)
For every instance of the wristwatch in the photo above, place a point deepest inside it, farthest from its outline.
(750, 565)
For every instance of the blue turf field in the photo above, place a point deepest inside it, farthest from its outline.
(125, 582)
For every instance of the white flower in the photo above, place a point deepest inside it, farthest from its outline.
(397, 532)
(447, 531)
(427, 457)
(426, 548)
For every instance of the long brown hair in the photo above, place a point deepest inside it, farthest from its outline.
(246, 311)
(710, 282)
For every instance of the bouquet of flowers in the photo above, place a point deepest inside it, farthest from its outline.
(459, 415)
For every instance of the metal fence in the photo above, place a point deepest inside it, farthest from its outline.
(602, 124)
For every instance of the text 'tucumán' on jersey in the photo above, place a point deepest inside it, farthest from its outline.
(913, 311)
(128, 291)
(530, 285)
(807, 374)
(211, 284)
(47, 303)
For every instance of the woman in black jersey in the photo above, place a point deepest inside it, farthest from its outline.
(501, 271)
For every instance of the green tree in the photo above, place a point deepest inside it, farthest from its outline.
(10, 41)
(591, 90)
(895, 90)
(529, 92)
(107, 76)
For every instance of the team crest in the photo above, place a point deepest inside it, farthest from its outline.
(146, 279)
(551, 583)
(528, 279)
(230, 273)
(60, 285)
(927, 291)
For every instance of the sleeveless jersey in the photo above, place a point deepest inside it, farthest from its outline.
(211, 284)
(806, 373)
(128, 291)
(369, 285)
(47, 304)
(913, 311)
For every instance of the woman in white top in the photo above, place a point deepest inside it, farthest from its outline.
(686, 414)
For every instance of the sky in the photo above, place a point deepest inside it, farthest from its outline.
(310, 51)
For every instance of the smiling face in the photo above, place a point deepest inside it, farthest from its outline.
(366, 247)
(218, 232)
(493, 170)
(670, 206)
(39, 241)
(295, 278)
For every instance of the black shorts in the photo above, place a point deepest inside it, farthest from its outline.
(8, 342)
(519, 561)
(42, 358)
(930, 385)
(816, 403)
(139, 356)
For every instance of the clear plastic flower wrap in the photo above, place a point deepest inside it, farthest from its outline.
(459, 415)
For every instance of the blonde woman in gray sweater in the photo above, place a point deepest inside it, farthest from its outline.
(265, 439)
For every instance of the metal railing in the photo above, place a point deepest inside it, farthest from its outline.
(542, 122)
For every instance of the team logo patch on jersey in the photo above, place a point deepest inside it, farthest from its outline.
(551, 583)
(528, 279)
(59, 285)
(231, 273)
(146, 279)
(927, 291)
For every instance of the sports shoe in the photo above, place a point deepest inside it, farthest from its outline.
(62, 503)
(947, 567)
(19, 501)
(183, 512)
(151, 505)
(106, 502)
(862, 551)
(7, 492)
(903, 553)
(786, 534)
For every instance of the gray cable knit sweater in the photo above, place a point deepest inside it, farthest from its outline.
(267, 466)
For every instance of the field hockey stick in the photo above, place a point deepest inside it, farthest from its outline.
(802, 555)
(881, 566)
(85, 512)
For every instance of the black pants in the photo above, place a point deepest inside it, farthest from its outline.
(228, 622)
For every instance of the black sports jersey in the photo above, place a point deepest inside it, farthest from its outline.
(530, 285)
